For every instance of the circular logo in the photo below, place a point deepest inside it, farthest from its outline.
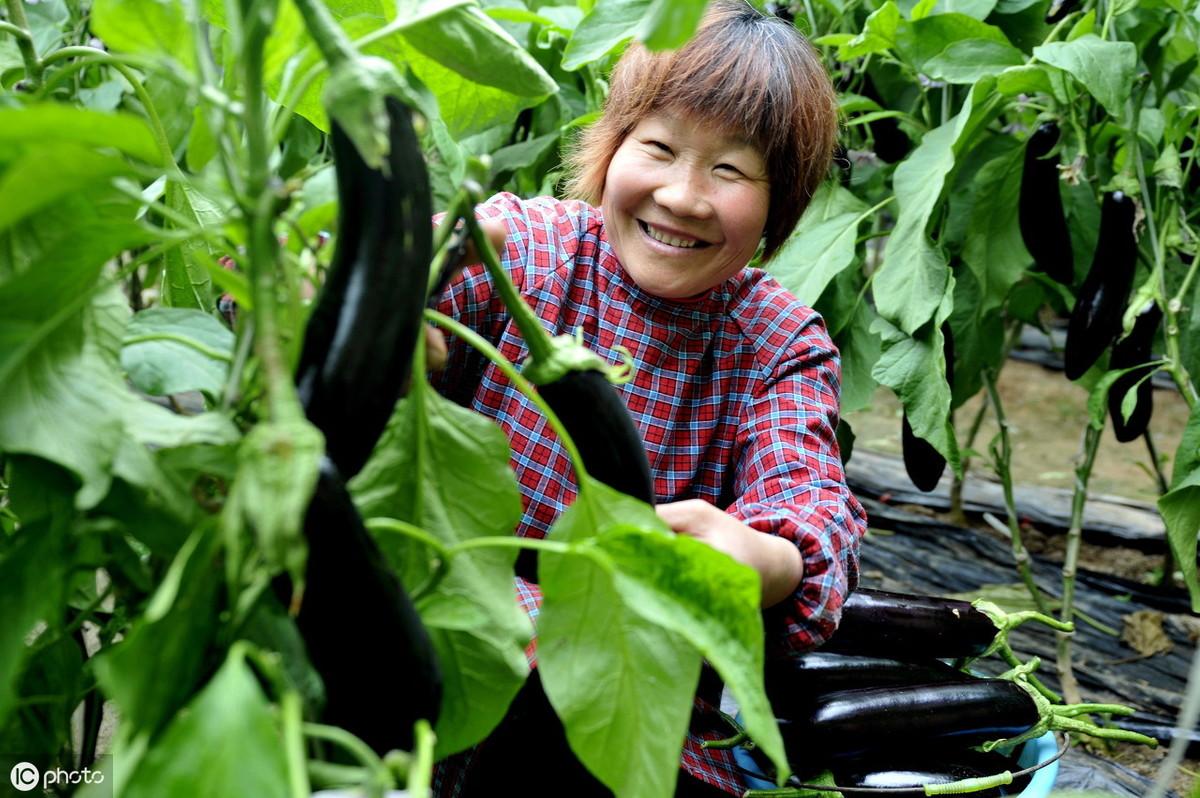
(24, 776)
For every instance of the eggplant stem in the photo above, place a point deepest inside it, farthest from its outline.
(726, 743)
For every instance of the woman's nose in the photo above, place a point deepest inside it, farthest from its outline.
(683, 193)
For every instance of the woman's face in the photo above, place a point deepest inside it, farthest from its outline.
(685, 204)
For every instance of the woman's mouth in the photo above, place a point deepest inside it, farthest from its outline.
(670, 239)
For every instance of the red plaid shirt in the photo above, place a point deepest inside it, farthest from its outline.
(734, 393)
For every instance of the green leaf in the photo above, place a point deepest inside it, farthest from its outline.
(445, 469)
(977, 9)
(466, 40)
(152, 672)
(1028, 79)
(924, 39)
(185, 281)
(878, 33)
(915, 368)
(849, 317)
(621, 684)
(202, 144)
(1085, 25)
(172, 350)
(32, 571)
(145, 27)
(1105, 68)
(968, 60)
(1167, 170)
(823, 244)
(668, 24)
(51, 171)
(914, 277)
(1180, 507)
(50, 122)
(224, 743)
(278, 462)
(609, 25)
(523, 153)
(706, 597)
(978, 337)
(994, 249)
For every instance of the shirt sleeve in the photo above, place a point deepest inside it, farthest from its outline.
(789, 481)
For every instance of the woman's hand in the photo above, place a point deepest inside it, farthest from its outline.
(777, 560)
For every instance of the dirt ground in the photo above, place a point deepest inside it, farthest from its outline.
(1046, 415)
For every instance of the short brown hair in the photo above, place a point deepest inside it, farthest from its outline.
(751, 74)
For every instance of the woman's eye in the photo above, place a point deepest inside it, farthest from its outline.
(658, 145)
(730, 169)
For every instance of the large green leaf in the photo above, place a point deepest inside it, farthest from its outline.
(994, 249)
(172, 350)
(878, 34)
(151, 673)
(145, 27)
(968, 60)
(849, 318)
(185, 281)
(822, 245)
(668, 24)
(469, 42)
(920, 41)
(1180, 507)
(50, 171)
(622, 685)
(32, 571)
(913, 279)
(46, 122)
(706, 597)
(224, 743)
(915, 368)
(1105, 68)
(609, 24)
(445, 469)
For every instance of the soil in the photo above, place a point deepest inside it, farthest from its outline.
(1046, 415)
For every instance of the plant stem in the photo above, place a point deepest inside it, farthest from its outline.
(1168, 563)
(380, 775)
(1083, 473)
(293, 743)
(1002, 458)
(259, 207)
(33, 65)
(420, 771)
(957, 516)
(331, 40)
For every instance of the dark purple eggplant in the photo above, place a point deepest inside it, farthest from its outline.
(915, 769)
(795, 684)
(852, 723)
(1040, 210)
(360, 628)
(1100, 303)
(1133, 350)
(884, 624)
(360, 337)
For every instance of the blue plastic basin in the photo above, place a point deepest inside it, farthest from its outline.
(1040, 750)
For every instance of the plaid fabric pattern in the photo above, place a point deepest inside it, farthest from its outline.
(735, 394)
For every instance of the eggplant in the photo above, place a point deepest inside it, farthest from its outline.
(360, 628)
(794, 685)
(915, 769)
(883, 624)
(599, 424)
(361, 335)
(851, 723)
(1133, 350)
(923, 463)
(1040, 210)
(1100, 303)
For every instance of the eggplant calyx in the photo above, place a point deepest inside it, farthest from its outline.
(1007, 621)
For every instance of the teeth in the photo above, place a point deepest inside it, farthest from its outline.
(666, 239)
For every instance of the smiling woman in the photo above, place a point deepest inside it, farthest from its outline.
(701, 157)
